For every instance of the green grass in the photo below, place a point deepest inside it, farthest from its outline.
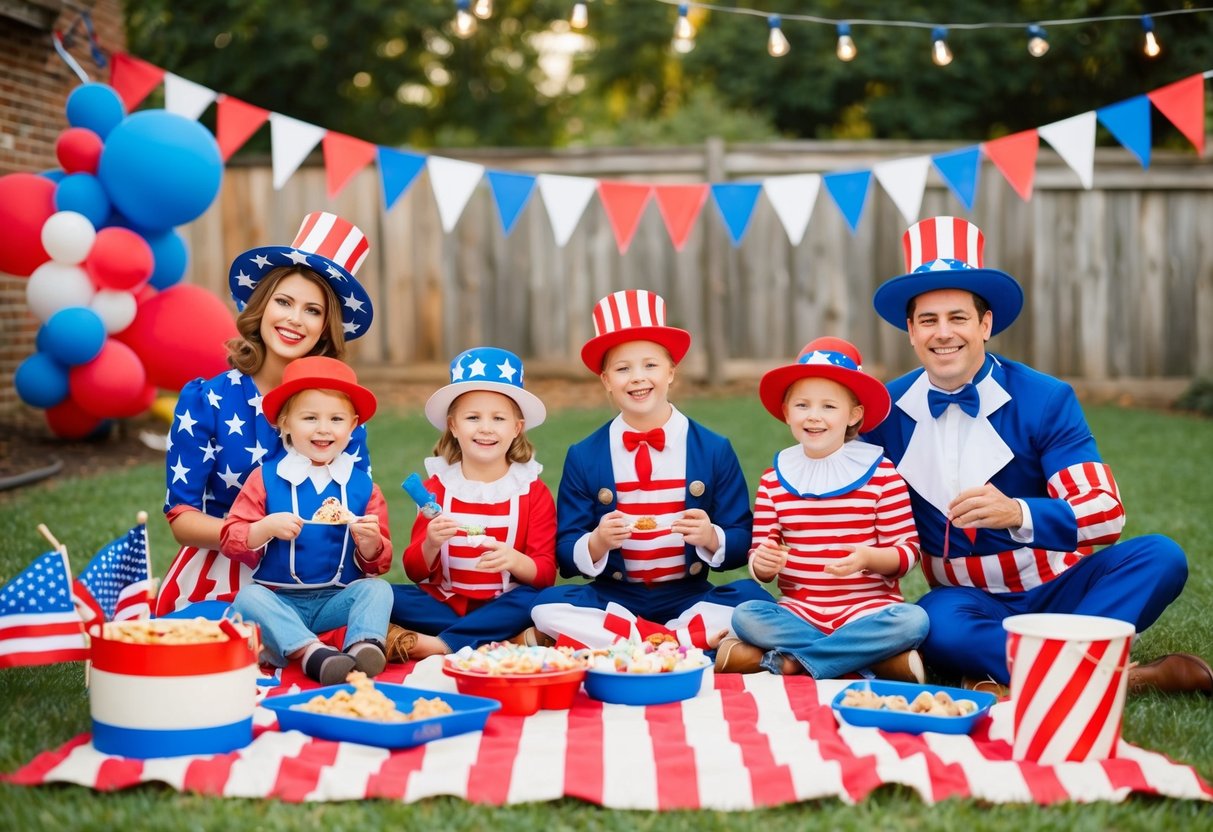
(1161, 464)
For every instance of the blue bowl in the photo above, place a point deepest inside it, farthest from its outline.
(469, 714)
(910, 723)
(643, 688)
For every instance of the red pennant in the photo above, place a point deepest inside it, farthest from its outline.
(235, 123)
(680, 206)
(1015, 156)
(624, 203)
(133, 79)
(1183, 103)
(344, 156)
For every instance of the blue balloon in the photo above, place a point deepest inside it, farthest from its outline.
(160, 169)
(84, 194)
(54, 174)
(170, 256)
(41, 381)
(95, 106)
(72, 336)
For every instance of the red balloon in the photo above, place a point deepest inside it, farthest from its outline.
(68, 421)
(26, 202)
(112, 384)
(78, 150)
(179, 335)
(119, 259)
(138, 404)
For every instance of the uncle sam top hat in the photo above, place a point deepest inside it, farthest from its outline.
(833, 359)
(318, 372)
(486, 368)
(328, 245)
(632, 315)
(946, 253)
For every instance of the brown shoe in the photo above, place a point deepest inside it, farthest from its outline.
(531, 637)
(1172, 673)
(398, 643)
(736, 656)
(904, 667)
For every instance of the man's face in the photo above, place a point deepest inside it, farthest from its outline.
(949, 336)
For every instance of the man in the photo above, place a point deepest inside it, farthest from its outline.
(1009, 493)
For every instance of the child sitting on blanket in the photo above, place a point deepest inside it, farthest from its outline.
(832, 521)
(312, 574)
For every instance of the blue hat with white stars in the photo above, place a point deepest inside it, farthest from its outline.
(327, 245)
(834, 359)
(485, 368)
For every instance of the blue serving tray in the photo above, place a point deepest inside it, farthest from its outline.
(643, 688)
(469, 714)
(909, 723)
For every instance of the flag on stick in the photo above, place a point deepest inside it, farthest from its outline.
(117, 583)
(38, 624)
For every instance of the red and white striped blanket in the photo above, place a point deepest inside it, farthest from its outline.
(753, 741)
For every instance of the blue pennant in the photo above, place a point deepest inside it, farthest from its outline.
(511, 192)
(959, 169)
(735, 201)
(850, 193)
(1129, 122)
(397, 170)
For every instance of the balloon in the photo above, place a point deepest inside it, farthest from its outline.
(67, 236)
(168, 250)
(72, 336)
(179, 335)
(160, 169)
(41, 381)
(138, 404)
(115, 309)
(78, 150)
(54, 174)
(54, 286)
(68, 421)
(26, 202)
(119, 259)
(95, 106)
(84, 194)
(111, 384)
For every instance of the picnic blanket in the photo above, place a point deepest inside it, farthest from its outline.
(748, 741)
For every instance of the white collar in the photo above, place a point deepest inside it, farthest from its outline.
(843, 471)
(295, 468)
(516, 482)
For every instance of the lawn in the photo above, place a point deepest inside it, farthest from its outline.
(1161, 463)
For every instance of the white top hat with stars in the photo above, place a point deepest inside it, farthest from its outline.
(486, 368)
(326, 244)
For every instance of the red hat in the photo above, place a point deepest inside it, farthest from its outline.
(632, 315)
(316, 372)
(836, 360)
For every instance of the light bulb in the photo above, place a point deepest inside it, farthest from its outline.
(940, 53)
(465, 23)
(683, 30)
(683, 45)
(580, 17)
(846, 50)
(1038, 41)
(777, 44)
(483, 9)
(1153, 48)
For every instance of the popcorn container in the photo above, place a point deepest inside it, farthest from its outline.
(1068, 684)
(167, 700)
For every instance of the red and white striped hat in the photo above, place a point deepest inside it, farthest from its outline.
(326, 244)
(946, 253)
(632, 315)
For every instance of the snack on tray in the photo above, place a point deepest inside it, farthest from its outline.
(645, 524)
(368, 703)
(659, 653)
(506, 659)
(331, 511)
(939, 704)
(166, 631)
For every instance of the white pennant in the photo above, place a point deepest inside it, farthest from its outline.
(1074, 140)
(454, 182)
(565, 198)
(291, 140)
(904, 180)
(185, 98)
(793, 198)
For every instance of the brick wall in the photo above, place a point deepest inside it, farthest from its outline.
(34, 84)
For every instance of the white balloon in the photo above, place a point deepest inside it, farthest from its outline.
(67, 237)
(54, 286)
(116, 309)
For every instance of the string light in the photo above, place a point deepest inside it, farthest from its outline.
(580, 18)
(846, 50)
(940, 53)
(777, 44)
(465, 21)
(483, 9)
(1038, 41)
(1153, 49)
(684, 32)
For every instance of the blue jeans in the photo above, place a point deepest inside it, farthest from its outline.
(854, 646)
(290, 618)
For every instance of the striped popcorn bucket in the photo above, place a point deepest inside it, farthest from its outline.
(1068, 684)
(166, 700)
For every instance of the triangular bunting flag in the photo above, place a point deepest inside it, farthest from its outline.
(565, 198)
(736, 201)
(235, 123)
(624, 203)
(291, 140)
(680, 206)
(344, 156)
(397, 170)
(454, 183)
(1015, 157)
(850, 192)
(1129, 122)
(1183, 103)
(511, 192)
(185, 98)
(1074, 140)
(133, 79)
(959, 169)
(793, 198)
(904, 180)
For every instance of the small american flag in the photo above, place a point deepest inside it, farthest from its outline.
(38, 624)
(116, 585)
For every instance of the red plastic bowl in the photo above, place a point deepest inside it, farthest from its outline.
(522, 694)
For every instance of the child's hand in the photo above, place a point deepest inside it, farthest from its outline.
(768, 558)
(366, 533)
(696, 529)
(498, 557)
(441, 529)
(613, 529)
(282, 525)
(882, 560)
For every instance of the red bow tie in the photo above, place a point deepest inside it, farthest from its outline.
(640, 442)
